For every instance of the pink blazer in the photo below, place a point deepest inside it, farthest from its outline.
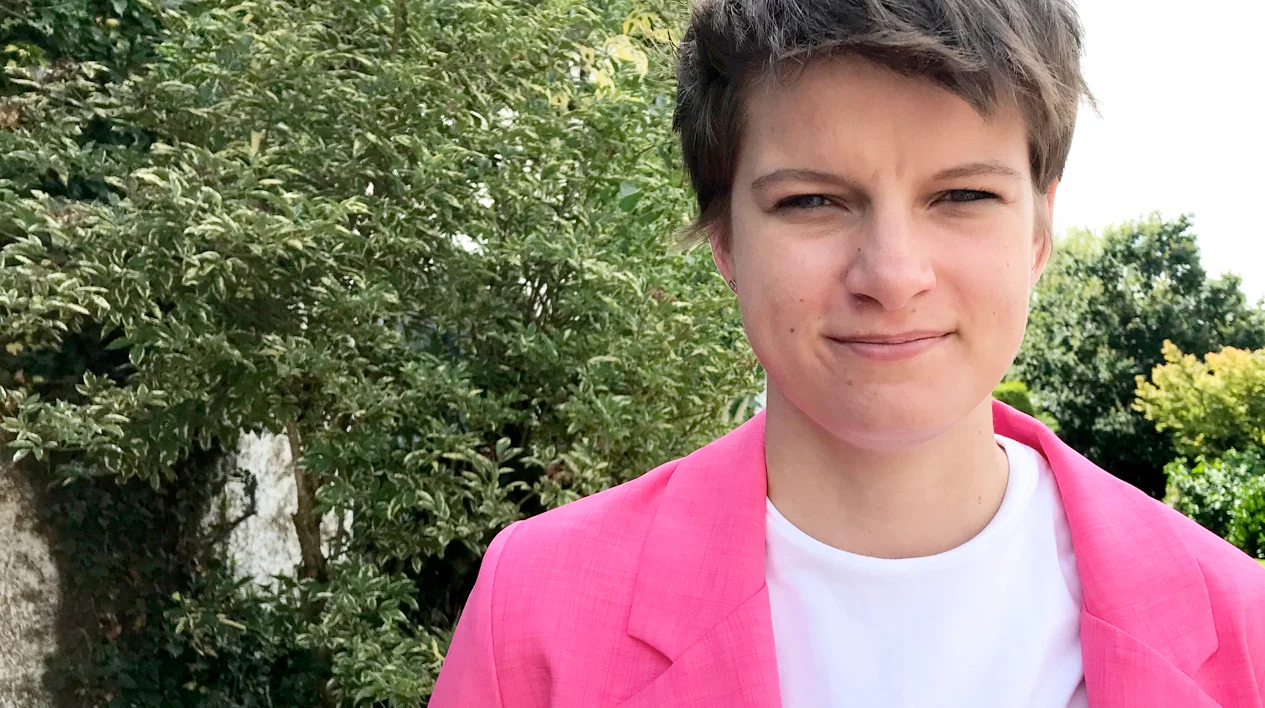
(652, 595)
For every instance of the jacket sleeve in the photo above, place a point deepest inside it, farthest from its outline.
(468, 677)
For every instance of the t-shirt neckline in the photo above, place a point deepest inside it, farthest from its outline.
(1021, 485)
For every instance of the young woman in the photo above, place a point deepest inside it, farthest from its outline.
(876, 180)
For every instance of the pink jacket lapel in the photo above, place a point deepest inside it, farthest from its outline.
(700, 596)
(701, 600)
(732, 665)
(1146, 619)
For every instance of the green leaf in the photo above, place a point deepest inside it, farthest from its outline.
(629, 195)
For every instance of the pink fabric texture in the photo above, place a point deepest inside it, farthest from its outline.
(652, 594)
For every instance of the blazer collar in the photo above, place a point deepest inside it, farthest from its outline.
(1136, 572)
(704, 556)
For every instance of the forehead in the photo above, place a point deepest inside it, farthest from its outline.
(849, 114)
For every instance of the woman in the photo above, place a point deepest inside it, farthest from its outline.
(876, 180)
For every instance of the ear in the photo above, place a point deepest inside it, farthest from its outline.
(722, 256)
(1043, 234)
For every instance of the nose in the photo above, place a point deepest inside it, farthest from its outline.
(891, 266)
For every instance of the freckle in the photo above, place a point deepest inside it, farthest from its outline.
(851, 382)
(801, 299)
(792, 330)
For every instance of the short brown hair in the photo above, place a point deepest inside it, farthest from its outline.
(985, 51)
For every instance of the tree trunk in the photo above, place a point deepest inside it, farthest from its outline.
(307, 525)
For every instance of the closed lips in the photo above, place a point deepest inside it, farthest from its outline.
(904, 338)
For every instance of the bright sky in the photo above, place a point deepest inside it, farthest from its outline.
(1182, 102)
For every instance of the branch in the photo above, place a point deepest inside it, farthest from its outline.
(401, 23)
(307, 526)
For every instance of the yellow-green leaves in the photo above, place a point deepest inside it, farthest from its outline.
(1211, 405)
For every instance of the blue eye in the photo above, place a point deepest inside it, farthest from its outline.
(961, 196)
(804, 201)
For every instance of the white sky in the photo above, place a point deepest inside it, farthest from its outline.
(1181, 91)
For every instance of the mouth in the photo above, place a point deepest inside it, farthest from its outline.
(891, 347)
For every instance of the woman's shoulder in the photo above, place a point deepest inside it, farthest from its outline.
(1235, 581)
(597, 537)
(550, 584)
(1234, 578)
(1223, 566)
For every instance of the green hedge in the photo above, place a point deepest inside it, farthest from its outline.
(425, 241)
(1225, 495)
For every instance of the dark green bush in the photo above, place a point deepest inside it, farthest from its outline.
(1017, 395)
(1225, 495)
(424, 241)
(116, 33)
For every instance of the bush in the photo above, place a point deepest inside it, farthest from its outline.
(1224, 495)
(116, 33)
(1210, 406)
(1017, 395)
(424, 241)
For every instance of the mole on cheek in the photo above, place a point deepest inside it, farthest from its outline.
(792, 330)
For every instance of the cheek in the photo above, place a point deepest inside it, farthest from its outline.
(793, 284)
(995, 292)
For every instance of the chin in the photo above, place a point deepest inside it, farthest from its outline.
(901, 433)
(888, 423)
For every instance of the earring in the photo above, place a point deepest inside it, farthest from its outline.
(733, 285)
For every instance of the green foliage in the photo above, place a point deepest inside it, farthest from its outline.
(423, 240)
(1100, 316)
(116, 33)
(1017, 395)
(1211, 406)
(1214, 409)
(122, 551)
(1225, 495)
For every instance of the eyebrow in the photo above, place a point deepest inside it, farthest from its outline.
(972, 169)
(991, 168)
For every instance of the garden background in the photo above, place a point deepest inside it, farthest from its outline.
(422, 249)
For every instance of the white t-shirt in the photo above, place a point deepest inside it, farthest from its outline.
(993, 623)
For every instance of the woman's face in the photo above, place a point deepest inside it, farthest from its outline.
(883, 236)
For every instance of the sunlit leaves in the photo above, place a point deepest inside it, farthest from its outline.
(1212, 405)
(444, 261)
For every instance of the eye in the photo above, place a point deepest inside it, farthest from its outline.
(962, 196)
(804, 201)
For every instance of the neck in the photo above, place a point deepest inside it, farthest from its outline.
(918, 500)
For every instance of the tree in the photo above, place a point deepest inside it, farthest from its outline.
(1100, 316)
(424, 241)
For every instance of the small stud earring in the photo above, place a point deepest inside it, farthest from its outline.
(733, 285)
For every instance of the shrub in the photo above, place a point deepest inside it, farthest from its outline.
(1225, 495)
(1210, 406)
(1017, 395)
(424, 241)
